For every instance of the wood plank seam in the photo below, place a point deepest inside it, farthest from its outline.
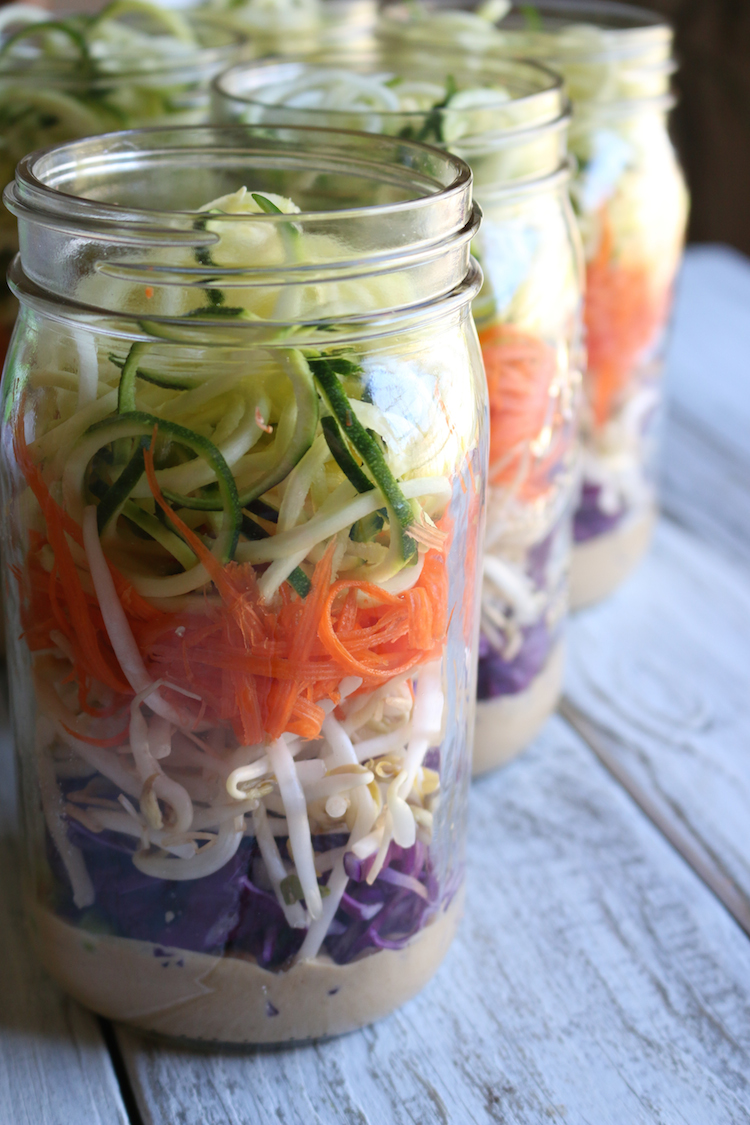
(686, 842)
(127, 1092)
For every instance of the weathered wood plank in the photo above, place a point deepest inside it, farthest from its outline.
(54, 1066)
(596, 981)
(708, 354)
(706, 454)
(706, 484)
(659, 684)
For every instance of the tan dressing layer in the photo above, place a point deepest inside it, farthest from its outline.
(226, 999)
(505, 725)
(601, 564)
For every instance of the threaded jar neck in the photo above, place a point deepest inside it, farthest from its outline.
(383, 228)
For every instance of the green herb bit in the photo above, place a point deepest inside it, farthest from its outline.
(433, 122)
(291, 890)
(532, 17)
(270, 208)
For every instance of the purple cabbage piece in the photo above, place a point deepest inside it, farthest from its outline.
(432, 760)
(590, 520)
(401, 912)
(227, 913)
(537, 559)
(507, 677)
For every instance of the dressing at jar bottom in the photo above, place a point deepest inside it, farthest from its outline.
(600, 565)
(179, 993)
(506, 724)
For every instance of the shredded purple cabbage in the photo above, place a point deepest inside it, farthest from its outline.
(538, 556)
(507, 677)
(590, 520)
(228, 913)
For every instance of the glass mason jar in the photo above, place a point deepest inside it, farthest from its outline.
(126, 67)
(244, 459)
(295, 27)
(631, 204)
(508, 121)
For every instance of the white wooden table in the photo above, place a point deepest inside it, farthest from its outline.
(602, 974)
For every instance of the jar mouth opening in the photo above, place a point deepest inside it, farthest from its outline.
(216, 47)
(53, 181)
(533, 85)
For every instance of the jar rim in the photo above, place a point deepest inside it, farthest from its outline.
(30, 186)
(364, 60)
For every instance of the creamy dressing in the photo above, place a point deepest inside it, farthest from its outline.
(505, 725)
(197, 996)
(601, 564)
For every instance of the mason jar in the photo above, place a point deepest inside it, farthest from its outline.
(508, 121)
(295, 27)
(631, 205)
(66, 78)
(243, 470)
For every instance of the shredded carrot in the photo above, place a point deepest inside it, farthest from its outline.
(284, 695)
(623, 316)
(87, 644)
(105, 743)
(264, 668)
(520, 369)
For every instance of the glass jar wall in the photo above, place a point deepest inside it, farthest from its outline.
(508, 121)
(295, 27)
(631, 205)
(244, 464)
(128, 66)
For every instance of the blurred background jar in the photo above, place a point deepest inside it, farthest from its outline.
(631, 204)
(130, 65)
(508, 120)
(294, 27)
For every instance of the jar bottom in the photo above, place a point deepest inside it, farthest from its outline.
(203, 998)
(601, 564)
(506, 724)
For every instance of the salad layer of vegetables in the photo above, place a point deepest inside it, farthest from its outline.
(630, 203)
(243, 582)
(508, 121)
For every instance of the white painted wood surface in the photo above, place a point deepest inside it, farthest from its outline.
(597, 979)
(706, 458)
(660, 675)
(54, 1066)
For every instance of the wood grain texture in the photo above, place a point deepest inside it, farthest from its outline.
(54, 1066)
(660, 675)
(596, 981)
(706, 453)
